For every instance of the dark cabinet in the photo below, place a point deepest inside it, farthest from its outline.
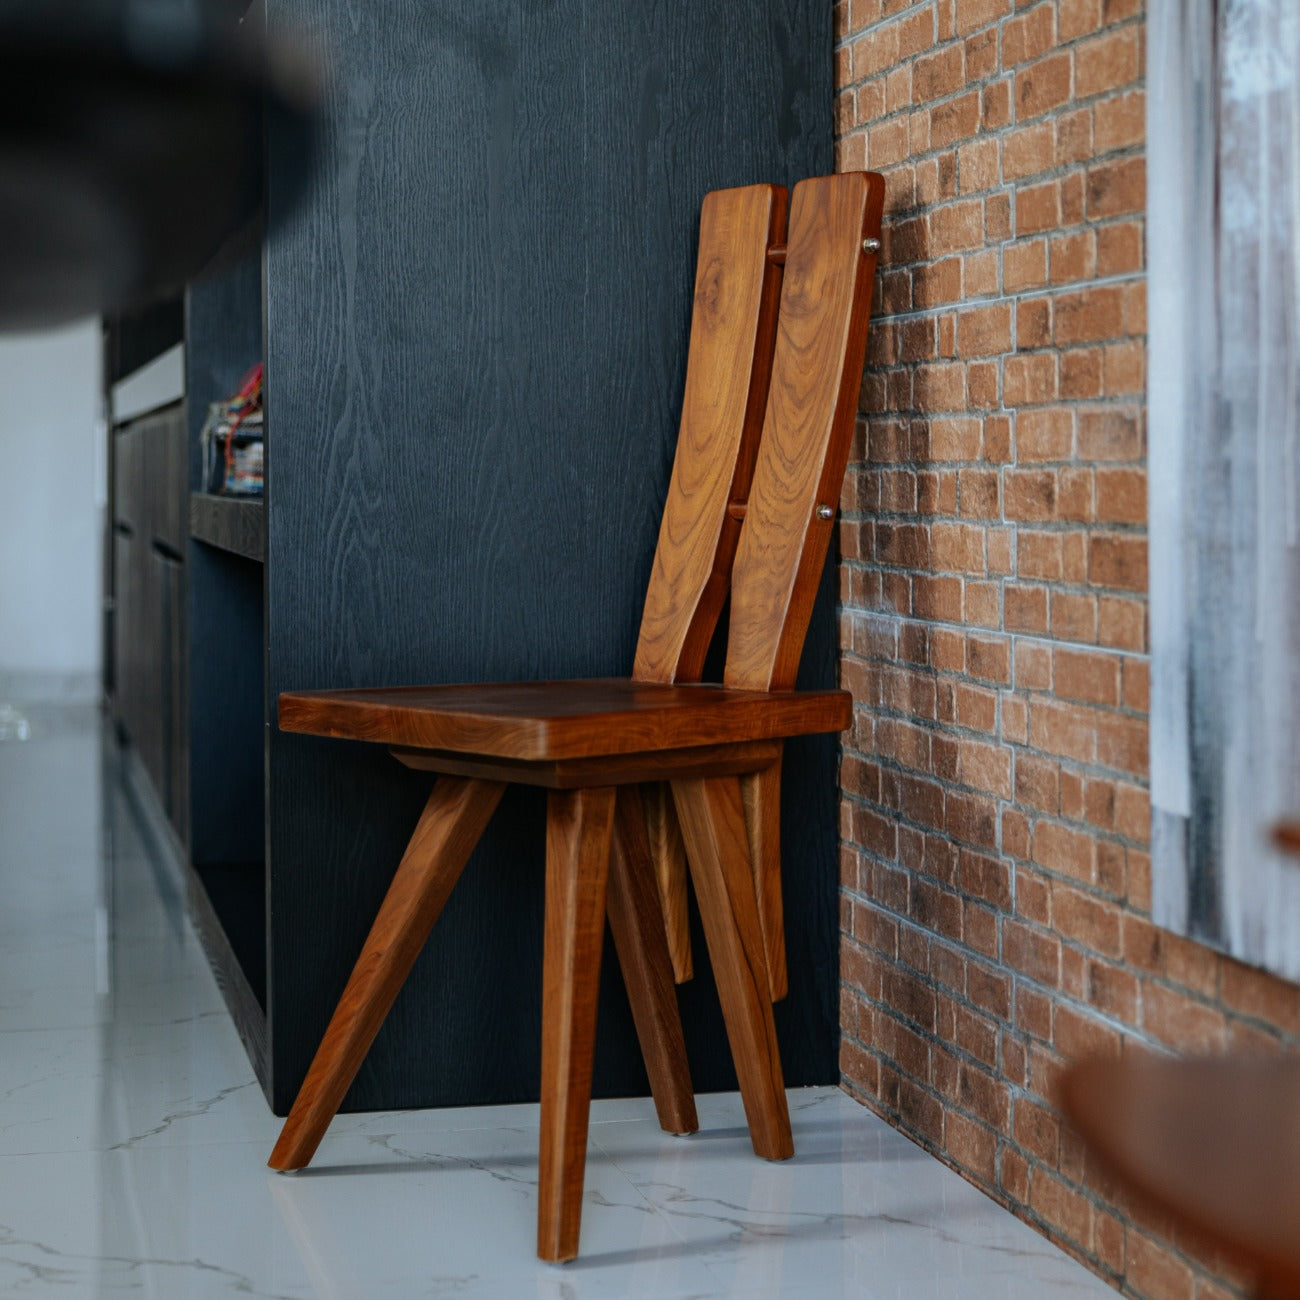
(149, 623)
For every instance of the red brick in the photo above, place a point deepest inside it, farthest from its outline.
(1083, 675)
(1079, 1036)
(1038, 208)
(1073, 257)
(973, 14)
(1029, 151)
(995, 104)
(1119, 248)
(938, 74)
(1066, 851)
(954, 120)
(1029, 379)
(1151, 1270)
(1086, 920)
(972, 1146)
(956, 226)
(1061, 1206)
(1037, 1130)
(1088, 315)
(1120, 122)
(1118, 560)
(1032, 953)
(1025, 608)
(1045, 435)
(1031, 494)
(1028, 35)
(1024, 266)
(1116, 188)
(1107, 62)
(1181, 1022)
(984, 331)
(1043, 86)
(1121, 623)
(1114, 434)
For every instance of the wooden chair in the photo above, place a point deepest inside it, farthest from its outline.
(592, 743)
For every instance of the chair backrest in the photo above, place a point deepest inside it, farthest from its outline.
(812, 404)
(771, 397)
(733, 325)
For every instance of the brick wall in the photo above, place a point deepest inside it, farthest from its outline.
(995, 866)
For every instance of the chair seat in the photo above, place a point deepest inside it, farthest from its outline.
(549, 721)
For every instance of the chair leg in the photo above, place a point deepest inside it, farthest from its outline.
(761, 792)
(450, 826)
(636, 922)
(669, 855)
(578, 831)
(713, 824)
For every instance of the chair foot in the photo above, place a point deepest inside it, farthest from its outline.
(635, 921)
(453, 820)
(578, 830)
(717, 849)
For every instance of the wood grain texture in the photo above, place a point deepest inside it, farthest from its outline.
(713, 825)
(578, 829)
(450, 827)
(476, 341)
(541, 721)
(642, 947)
(229, 523)
(761, 795)
(728, 368)
(669, 856)
(618, 769)
(811, 407)
(1216, 1143)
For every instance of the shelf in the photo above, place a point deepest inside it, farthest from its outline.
(234, 524)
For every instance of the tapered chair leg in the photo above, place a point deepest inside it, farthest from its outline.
(578, 831)
(669, 856)
(713, 825)
(451, 825)
(761, 792)
(635, 921)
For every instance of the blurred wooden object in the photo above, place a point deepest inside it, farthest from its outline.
(1214, 1142)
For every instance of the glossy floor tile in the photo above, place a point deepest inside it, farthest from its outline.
(133, 1137)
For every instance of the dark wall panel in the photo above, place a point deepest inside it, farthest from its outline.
(476, 340)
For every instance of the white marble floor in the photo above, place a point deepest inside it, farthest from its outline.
(133, 1137)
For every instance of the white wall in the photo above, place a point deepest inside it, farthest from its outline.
(51, 512)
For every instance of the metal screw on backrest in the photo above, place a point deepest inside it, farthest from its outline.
(871, 245)
(825, 512)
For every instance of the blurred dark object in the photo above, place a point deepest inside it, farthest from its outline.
(131, 147)
(1214, 1142)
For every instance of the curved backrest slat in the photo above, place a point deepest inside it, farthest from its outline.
(811, 406)
(727, 372)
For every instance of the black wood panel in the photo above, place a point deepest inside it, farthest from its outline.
(223, 339)
(476, 339)
(229, 523)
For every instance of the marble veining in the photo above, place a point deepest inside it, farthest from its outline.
(133, 1137)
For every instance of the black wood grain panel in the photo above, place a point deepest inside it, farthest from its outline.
(476, 340)
(229, 523)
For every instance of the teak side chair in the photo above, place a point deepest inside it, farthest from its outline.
(771, 396)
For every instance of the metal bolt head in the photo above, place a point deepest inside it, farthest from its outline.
(825, 512)
(871, 245)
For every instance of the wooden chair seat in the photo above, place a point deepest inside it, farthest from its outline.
(767, 419)
(538, 722)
